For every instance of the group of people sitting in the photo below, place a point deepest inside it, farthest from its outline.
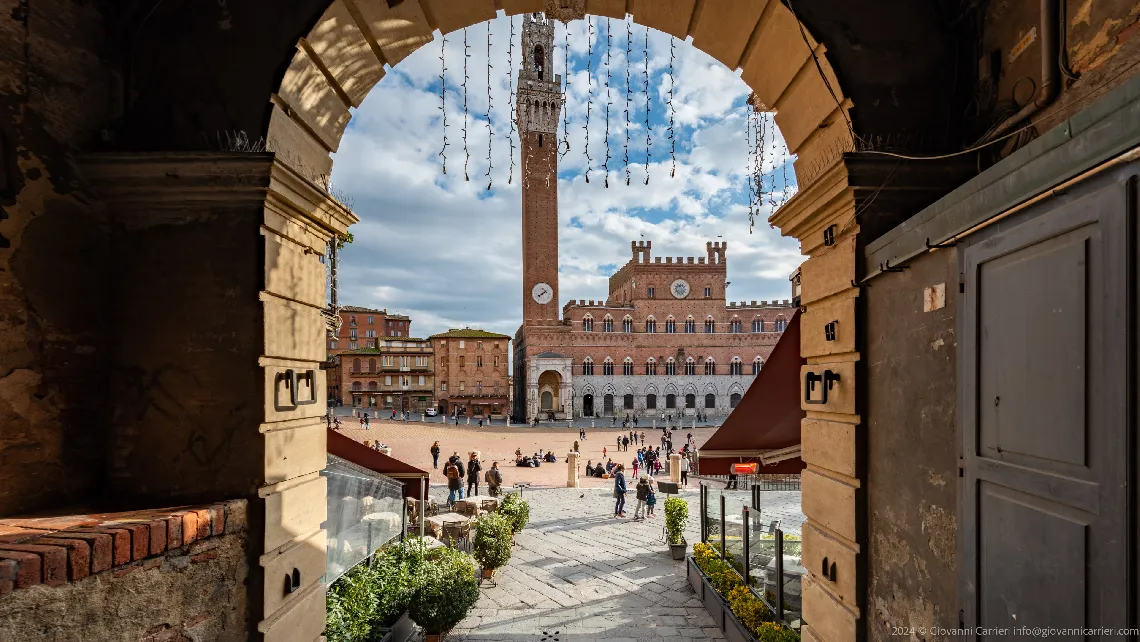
(600, 469)
(535, 460)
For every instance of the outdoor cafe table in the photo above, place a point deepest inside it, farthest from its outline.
(477, 501)
(435, 523)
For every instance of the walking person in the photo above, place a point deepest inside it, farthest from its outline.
(473, 470)
(603, 451)
(636, 464)
(685, 470)
(651, 502)
(575, 445)
(643, 438)
(435, 455)
(642, 494)
(619, 491)
(366, 427)
(454, 482)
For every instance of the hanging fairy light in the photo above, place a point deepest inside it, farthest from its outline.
(762, 150)
(565, 87)
(466, 152)
(443, 99)
(749, 136)
(590, 93)
(672, 109)
(648, 128)
(628, 90)
(490, 130)
(772, 191)
(511, 98)
(609, 45)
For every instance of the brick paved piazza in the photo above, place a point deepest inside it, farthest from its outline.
(579, 574)
(410, 442)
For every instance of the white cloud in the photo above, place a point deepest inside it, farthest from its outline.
(447, 251)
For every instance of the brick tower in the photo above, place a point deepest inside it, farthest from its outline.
(539, 106)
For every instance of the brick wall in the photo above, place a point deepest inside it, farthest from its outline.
(173, 574)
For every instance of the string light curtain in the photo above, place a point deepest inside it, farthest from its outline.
(590, 93)
(609, 45)
(490, 129)
(466, 152)
(443, 98)
(648, 127)
(511, 98)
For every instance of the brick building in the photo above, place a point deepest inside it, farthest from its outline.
(398, 374)
(663, 341)
(471, 372)
(363, 327)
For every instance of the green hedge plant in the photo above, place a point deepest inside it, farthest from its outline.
(676, 518)
(447, 592)
(492, 543)
(516, 509)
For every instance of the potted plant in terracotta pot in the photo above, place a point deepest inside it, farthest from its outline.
(492, 543)
(676, 518)
(446, 592)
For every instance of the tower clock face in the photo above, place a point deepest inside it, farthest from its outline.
(680, 288)
(542, 293)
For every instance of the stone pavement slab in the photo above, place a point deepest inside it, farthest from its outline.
(578, 574)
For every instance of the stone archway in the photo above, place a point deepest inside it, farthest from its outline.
(550, 392)
(344, 54)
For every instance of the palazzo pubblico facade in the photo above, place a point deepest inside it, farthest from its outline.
(664, 341)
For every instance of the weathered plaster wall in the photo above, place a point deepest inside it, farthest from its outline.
(186, 328)
(194, 592)
(911, 449)
(55, 95)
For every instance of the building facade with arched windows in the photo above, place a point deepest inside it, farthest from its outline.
(663, 341)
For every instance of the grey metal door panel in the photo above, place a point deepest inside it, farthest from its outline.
(1044, 414)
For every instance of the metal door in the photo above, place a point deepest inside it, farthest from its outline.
(608, 405)
(1044, 415)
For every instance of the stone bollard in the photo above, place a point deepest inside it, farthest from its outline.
(655, 423)
(572, 470)
(508, 421)
(675, 468)
(468, 420)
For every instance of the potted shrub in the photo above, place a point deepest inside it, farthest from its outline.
(516, 510)
(492, 543)
(446, 592)
(676, 518)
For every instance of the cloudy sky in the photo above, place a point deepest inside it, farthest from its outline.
(447, 251)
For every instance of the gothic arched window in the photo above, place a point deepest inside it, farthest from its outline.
(608, 367)
(587, 366)
(736, 368)
(627, 366)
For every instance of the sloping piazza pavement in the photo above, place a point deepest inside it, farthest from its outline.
(577, 573)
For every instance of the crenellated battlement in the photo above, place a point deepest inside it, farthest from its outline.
(746, 305)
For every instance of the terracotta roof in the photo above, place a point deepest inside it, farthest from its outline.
(468, 333)
(357, 308)
(550, 355)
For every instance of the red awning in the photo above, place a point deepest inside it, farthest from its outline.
(351, 450)
(765, 425)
